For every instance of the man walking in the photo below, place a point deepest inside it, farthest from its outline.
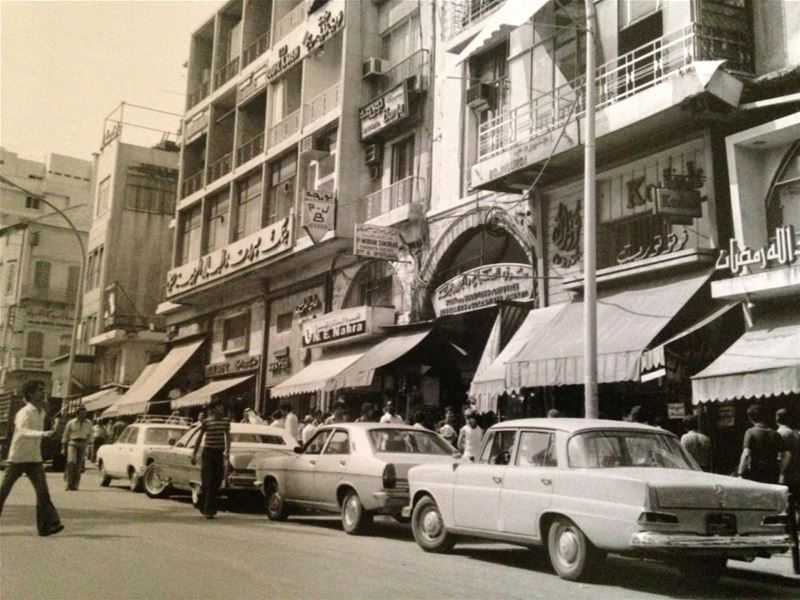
(291, 420)
(77, 437)
(390, 414)
(470, 437)
(764, 456)
(216, 431)
(25, 456)
(695, 443)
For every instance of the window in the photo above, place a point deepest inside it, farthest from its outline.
(402, 41)
(41, 275)
(32, 202)
(235, 331)
(103, 195)
(339, 443)
(416, 441)
(11, 277)
(491, 68)
(72, 282)
(35, 346)
(403, 159)
(536, 449)
(280, 195)
(284, 322)
(248, 203)
(161, 436)
(94, 268)
(64, 345)
(375, 285)
(606, 449)
(497, 450)
(191, 220)
(150, 188)
(317, 442)
(783, 202)
(217, 223)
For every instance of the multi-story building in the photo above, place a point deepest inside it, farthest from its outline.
(41, 263)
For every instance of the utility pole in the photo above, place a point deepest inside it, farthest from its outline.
(590, 397)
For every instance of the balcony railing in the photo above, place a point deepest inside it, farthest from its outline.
(284, 128)
(289, 21)
(226, 72)
(408, 190)
(467, 12)
(256, 49)
(615, 80)
(49, 294)
(250, 149)
(198, 93)
(416, 64)
(220, 167)
(321, 104)
(192, 183)
(134, 322)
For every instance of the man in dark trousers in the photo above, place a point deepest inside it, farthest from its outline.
(216, 431)
(25, 456)
(764, 456)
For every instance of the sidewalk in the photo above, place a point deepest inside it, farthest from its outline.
(779, 565)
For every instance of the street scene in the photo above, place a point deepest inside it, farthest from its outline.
(399, 298)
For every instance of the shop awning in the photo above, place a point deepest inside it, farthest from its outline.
(361, 372)
(764, 362)
(135, 400)
(316, 375)
(111, 411)
(490, 382)
(202, 396)
(102, 399)
(628, 320)
(510, 16)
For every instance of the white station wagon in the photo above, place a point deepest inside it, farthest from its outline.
(583, 488)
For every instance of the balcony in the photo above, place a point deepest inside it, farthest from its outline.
(284, 128)
(134, 322)
(256, 49)
(321, 104)
(414, 65)
(192, 183)
(49, 294)
(616, 80)
(402, 193)
(467, 12)
(250, 149)
(221, 166)
(198, 93)
(226, 72)
(289, 21)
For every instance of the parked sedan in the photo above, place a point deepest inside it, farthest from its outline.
(125, 458)
(172, 468)
(356, 469)
(583, 488)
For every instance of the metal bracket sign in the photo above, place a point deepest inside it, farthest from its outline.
(319, 214)
(374, 241)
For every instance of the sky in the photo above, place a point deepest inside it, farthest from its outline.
(66, 64)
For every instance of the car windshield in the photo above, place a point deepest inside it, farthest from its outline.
(161, 436)
(604, 449)
(409, 442)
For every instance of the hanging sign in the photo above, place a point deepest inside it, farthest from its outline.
(319, 214)
(678, 204)
(374, 241)
(482, 287)
(783, 250)
(384, 111)
(346, 324)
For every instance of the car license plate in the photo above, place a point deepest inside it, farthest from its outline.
(721, 524)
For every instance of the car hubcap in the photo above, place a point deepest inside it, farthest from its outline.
(155, 480)
(351, 510)
(568, 546)
(432, 524)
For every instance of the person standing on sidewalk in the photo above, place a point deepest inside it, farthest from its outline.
(764, 454)
(216, 431)
(695, 443)
(77, 437)
(292, 423)
(470, 437)
(25, 457)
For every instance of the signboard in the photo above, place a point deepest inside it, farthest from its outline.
(784, 249)
(676, 410)
(482, 287)
(285, 61)
(248, 251)
(347, 325)
(240, 364)
(677, 204)
(319, 214)
(384, 111)
(252, 84)
(374, 241)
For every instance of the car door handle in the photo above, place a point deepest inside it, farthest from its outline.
(497, 479)
(547, 481)
(343, 462)
(313, 462)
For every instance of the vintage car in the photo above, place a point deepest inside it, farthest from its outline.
(583, 488)
(125, 458)
(356, 469)
(172, 468)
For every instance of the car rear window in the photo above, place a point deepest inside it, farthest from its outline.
(257, 438)
(407, 441)
(161, 437)
(604, 449)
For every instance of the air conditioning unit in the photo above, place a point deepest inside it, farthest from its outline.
(480, 96)
(374, 172)
(373, 154)
(373, 68)
(314, 147)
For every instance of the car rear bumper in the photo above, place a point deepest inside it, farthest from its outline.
(390, 500)
(242, 483)
(645, 540)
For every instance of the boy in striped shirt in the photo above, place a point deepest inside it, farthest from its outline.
(216, 430)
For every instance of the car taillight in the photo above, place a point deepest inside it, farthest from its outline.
(657, 517)
(389, 477)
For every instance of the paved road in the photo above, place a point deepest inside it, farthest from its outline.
(123, 545)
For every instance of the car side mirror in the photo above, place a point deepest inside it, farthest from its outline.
(171, 441)
(298, 449)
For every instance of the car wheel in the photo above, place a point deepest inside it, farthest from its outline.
(275, 504)
(154, 485)
(105, 478)
(134, 481)
(571, 553)
(428, 527)
(355, 519)
(703, 571)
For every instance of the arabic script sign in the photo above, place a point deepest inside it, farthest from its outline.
(318, 216)
(346, 324)
(783, 250)
(375, 241)
(263, 244)
(384, 111)
(482, 287)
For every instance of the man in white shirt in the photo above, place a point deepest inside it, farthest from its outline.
(25, 457)
(470, 437)
(390, 414)
(291, 420)
(309, 429)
